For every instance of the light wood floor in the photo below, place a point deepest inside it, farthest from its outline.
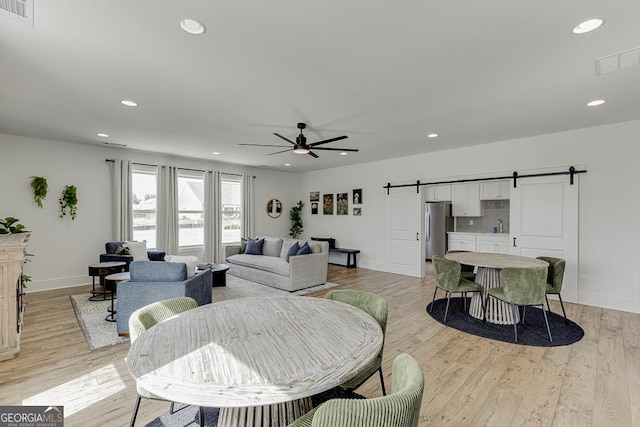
(468, 380)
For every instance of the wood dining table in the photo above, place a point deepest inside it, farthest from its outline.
(488, 276)
(258, 359)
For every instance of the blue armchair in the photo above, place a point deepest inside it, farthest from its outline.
(157, 281)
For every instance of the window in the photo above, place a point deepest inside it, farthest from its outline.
(143, 187)
(231, 199)
(190, 209)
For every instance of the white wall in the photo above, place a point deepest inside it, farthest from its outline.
(609, 202)
(64, 248)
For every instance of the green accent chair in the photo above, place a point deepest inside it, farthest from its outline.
(521, 287)
(555, 276)
(468, 271)
(449, 279)
(399, 409)
(377, 307)
(146, 317)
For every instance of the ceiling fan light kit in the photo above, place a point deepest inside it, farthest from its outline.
(301, 146)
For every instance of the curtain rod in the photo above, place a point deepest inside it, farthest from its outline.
(572, 171)
(184, 169)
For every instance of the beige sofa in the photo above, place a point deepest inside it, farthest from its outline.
(271, 268)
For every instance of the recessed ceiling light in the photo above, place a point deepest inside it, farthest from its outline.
(129, 103)
(344, 153)
(432, 135)
(589, 25)
(102, 135)
(216, 153)
(595, 102)
(287, 164)
(192, 26)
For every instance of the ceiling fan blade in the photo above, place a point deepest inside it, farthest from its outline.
(278, 152)
(312, 154)
(338, 138)
(288, 140)
(265, 145)
(336, 149)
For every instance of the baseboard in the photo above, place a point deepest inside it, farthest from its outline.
(595, 299)
(59, 283)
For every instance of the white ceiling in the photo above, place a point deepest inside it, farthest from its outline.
(384, 73)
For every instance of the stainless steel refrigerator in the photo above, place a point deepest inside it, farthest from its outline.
(437, 222)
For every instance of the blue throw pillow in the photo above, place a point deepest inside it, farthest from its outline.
(304, 249)
(254, 247)
(293, 250)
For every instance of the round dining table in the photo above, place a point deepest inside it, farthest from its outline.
(488, 276)
(258, 359)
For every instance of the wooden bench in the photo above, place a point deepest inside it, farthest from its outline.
(352, 261)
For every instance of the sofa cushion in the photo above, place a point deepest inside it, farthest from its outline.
(153, 271)
(243, 245)
(272, 246)
(293, 250)
(112, 247)
(138, 250)
(275, 265)
(190, 260)
(254, 246)
(286, 245)
(316, 247)
(304, 249)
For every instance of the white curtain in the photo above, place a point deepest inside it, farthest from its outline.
(167, 210)
(247, 205)
(212, 217)
(121, 200)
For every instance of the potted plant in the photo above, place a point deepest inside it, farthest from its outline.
(39, 186)
(68, 201)
(295, 214)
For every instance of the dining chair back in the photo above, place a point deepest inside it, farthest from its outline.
(399, 409)
(145, 318)
(448, 275)
(468, 271)
(555, 277)
(377, 307)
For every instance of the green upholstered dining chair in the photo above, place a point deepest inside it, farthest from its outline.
(399, 409)
(449, 279)
(377, 307)
(555, 276)
(468, 271)
(146, 317)
(521, 287)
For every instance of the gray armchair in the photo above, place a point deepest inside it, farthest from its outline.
(157, 281)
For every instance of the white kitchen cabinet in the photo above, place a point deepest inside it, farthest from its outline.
(497, 244)
(465, 200)
(495, 190)
(438, 193)
(462, 242)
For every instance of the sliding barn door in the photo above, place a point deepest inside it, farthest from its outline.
(403, 219)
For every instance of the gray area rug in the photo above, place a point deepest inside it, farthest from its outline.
(99, 333)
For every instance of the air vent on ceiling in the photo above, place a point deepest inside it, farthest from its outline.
(113, 144)
(17, 10)
(617, 61)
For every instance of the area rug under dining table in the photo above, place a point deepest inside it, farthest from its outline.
(99, 333)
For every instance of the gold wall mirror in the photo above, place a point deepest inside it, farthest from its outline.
(274, 208)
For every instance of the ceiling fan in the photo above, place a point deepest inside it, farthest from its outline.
(301, 146)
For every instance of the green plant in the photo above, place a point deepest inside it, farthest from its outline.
(295, 214)
(68, 201)
(9, 226)
(39, 186)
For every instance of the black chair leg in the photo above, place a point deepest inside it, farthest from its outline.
(548, 306)
(464, 300)
(384, 391)
(524, 312)
(201, 414)
(172, 408)
(483, 309)
(447, 309)
(547, 322)
(434, 298)
(484, 312)
(515, 324)
(563, 312)
(135, 411)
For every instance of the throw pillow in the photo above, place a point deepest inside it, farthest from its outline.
(304, 249)
(190, 260)
(243, 245)
(254, 246)
(138, 250)
(122, 250)
(293, 250)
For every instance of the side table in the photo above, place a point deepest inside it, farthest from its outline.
(218, 273)
(111, 281)
(100, 270)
